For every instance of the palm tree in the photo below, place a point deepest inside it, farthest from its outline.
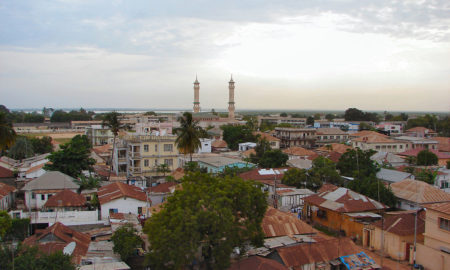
(7, 133)
(188, 135)
(111, 120)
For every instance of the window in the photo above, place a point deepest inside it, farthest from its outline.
(145, 147)
(156, 162)
(48, 196)
(139, 210)
(33, 196)
(322, 214)
(401, 146)
(146, 162)
(168, 147)
(444, 224)
(43, 197)
(377, 147)
(156, 148)
(168, 162)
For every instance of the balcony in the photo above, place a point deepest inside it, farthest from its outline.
(135, 170)
(135, 155)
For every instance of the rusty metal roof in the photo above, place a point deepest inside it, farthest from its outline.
(277, 223)
(419, 192)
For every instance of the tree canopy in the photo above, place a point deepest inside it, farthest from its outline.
(125, 241)
(374, 189)
(356, 162)
(211, 214)
(63, 116)
(325, 170)
(426, 158)
(353, 114)
(21, 149)
(73, 158)
(300, 178)
(234, 135)
(188, 140)
(42, 145)
(7, 133)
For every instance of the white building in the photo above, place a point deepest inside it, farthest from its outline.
(7, 196)
(246, 146)
(122, 198)
(39, 190)
(205, 146)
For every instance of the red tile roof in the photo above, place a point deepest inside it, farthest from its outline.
(415, 152)
(277, 223)
(162, 188)
(266, 136)
(118, 190)
(420, 129)
(443, 143)
(66, 198)
(178, 173)
(6, 189)
(402, 223)
(327, 187)
(324, 251)
(300, 151)
(336, 147)
(63, 235)
(5, 173)
(219, 144)
(257, 263)
(258, 174)
(344, 200)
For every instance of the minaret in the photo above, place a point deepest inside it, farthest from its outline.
(196, 95)
(231, 98)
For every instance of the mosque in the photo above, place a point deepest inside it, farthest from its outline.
(231, 108)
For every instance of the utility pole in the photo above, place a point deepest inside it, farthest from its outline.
(275, 200)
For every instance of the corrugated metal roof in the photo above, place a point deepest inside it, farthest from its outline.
(419, 192)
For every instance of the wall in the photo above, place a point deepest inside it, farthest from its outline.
(432, 259)
(38, 202)
(436, 237)
(394, 245)
(66, 217)
(6, 201)
(123, 205)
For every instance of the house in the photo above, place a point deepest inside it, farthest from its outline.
(99, 135)
(246, 146)
(65, 200)
(443, 179)
(292, 198)
(141, 155)
(289, 137)
(216, 164)
(39, 190)
(122, 198)
(205, 146)
(434, 253)
(419, 143)
(59, 237)
(379, 142)
(342, 210)
(28, 168)
(102, 154)
(330, 135)
(414, 194)
(269, 178)
(442, 157)
(443, 144)
(159, 193)
(257, 262)
(297, 152)
(395, 234)
(385, 158)
(337, 147)
(219, 146)
(390, 128)
(421, 132)
(7, 196)
(273, 141)
(393, 176)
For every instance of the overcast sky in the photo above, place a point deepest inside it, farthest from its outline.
(309, 54)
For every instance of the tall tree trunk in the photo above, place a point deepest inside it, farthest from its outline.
(112, 158)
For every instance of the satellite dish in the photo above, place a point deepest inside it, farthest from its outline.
(68, 250)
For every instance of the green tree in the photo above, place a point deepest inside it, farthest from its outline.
(283, 114)
(163, 168)
(375, 189)
(211, 214)
(234, 135)
(21, 149)
(73, 157)
(188, 140)
(356, 163)
(273, 159)
(325, 170)
(426, 158)
(30, 258)
(5, 224)
(261, 147)
(7, 133)
(111, 120)
(125, 241)
(427, 176)
(365, 126)
(329, 116)
(192, 166)
(300, 178)
(310, 121)
(19, 229)
(42, 145)
(317, 116)
(88, 182)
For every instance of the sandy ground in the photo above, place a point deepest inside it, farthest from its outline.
(387, 263)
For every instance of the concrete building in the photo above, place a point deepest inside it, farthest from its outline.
(330, 135)
(216, 164)
(273, 141)
(99, 135)
(419, 143)
(246, 146)
(206, 146)
(434, 253)
(141, 155)
(421, 132)
(277, 120)
(379, 142)
(289, 137)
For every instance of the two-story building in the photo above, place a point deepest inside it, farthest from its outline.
(99, 135)
(330, 135)
(434, 253)
(305, 137)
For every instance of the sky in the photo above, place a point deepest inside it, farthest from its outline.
(290, 54)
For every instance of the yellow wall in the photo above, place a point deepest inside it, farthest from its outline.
(431, 258)
(436, 237)
(395, 246)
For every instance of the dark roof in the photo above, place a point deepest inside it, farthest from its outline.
(6, 189)
(257, 263)
(5, 173)
(344, 200)
(402, 223)
(66, 198)
(324, 251)
(62, 236)
(162, 188)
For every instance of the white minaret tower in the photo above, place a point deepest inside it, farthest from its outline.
(196, 95)
(231, 98)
